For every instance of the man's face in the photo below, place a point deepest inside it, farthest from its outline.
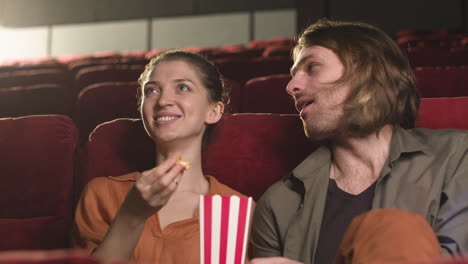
(319, 103)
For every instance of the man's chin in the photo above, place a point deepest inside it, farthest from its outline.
(320, 135)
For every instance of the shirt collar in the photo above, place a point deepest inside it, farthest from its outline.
(405, 141)
(314, 161)
(313, 171)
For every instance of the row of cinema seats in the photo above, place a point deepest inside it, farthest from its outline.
(44, 168)
(52, 86)
(102, 102)
(434, 39)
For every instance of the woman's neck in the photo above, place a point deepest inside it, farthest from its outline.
(193, 179)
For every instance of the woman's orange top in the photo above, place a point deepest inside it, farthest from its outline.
(178, 242)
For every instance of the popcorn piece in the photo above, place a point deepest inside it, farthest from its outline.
(185, 164)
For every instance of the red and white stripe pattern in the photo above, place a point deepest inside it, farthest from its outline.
(224, 228)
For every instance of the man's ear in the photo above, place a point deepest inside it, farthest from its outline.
(215, 113)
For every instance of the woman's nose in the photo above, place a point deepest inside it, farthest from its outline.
(165, 98)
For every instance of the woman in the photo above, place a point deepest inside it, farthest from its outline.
(153, 216)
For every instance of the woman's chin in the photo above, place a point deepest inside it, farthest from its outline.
(165, 140)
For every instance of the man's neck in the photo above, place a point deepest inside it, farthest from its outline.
(358, 161)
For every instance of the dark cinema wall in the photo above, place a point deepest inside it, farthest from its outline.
(389, 15)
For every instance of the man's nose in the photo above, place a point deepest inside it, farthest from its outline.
(295, 86)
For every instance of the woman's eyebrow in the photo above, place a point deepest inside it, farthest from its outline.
(151, 82)
(183, 80)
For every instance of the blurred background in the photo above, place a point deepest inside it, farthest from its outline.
(40, 28)
(68, 85)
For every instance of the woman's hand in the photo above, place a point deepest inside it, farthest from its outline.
(148, 195)
(153, 189)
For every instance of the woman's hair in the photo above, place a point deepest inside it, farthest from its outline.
(382, 83)
(208, 73)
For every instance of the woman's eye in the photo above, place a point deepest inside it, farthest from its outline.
(183, 88)
(149, 90)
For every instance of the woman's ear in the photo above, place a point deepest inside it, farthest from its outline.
(214, 113)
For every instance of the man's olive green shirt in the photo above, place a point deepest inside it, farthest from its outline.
(426, 173)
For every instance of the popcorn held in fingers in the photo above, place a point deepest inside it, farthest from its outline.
(185, 164)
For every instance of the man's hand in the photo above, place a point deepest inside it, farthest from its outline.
(273, 260)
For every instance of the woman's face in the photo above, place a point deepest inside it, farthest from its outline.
(176, 104)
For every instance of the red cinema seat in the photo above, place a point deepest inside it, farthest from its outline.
(458, 56)
(67, 256)
(35, 76)
(273, 51)
(422, 57)
(267, 95)
(36, 157)
(226, 53)
(102, 102)
(438, 113)
(244, 69)
(280, 41)
(107, 73)
(234, 90)
(36, 99)
(77, 65)
(33, 64)
(248, 152)
(153, 53)
(442, 81)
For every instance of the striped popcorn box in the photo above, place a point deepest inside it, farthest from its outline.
(224, 228)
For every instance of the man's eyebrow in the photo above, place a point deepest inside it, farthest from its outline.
(300, 63)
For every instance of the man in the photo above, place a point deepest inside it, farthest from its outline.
(356, 93)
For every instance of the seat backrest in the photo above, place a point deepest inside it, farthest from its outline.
(67, 256)
(34, 77)
(280, 41)
(234, 90)
(102, 102)
(33, 64)
(248, 152)
(36, 157)
(272, 51)
(94, 105)
(442, 81)
(267, 95)
(107, 73)
(39, 99)
(76, 66)
(450, 112)
(459, 56)
(243, 69)
(422, 57)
